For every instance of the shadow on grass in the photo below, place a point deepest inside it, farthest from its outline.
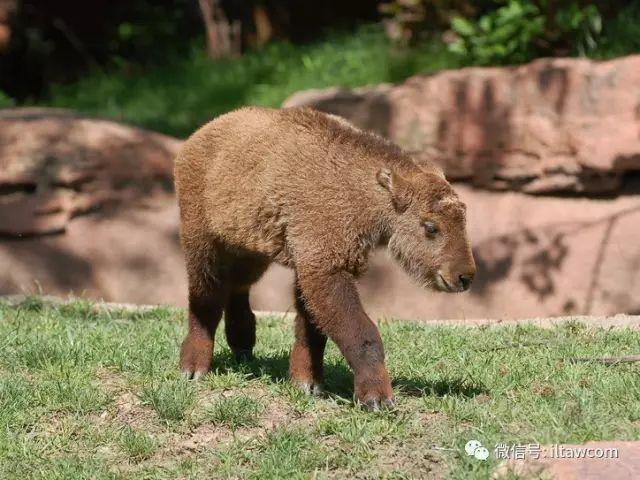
(339, 379)
(452, 387)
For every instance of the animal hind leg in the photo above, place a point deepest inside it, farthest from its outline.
(240, 325)
(207, 297)
(306, 363)
(240, 321)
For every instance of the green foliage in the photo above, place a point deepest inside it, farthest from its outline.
(621, 35)
(521, 30)
(503, 36)
(138, 27)
(410, 20)
(5, 100)
(190, 89)
(582, 25)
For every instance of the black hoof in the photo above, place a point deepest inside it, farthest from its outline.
(193, 375)
(311, 388)
(377, 404)
(244, 356)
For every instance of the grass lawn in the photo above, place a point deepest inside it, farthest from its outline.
(88, 393)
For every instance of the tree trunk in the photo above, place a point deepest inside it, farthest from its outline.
(7, 7)
(223, 37)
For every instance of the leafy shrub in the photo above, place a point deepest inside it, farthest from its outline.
(581, 25)
(5, 100)
(621, 34)
(521, 30)
(406, 21)
(502, 36)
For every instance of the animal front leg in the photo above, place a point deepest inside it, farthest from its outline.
(307, 355)
(335, 305)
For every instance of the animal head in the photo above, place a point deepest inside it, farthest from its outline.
(428, 229)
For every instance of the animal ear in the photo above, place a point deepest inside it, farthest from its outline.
(385, 178)
(397, 187)
(433, 169)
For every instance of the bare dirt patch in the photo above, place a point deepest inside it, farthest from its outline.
(418, 455)
(204, 435)
(127, 408)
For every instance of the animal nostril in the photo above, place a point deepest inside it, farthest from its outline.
(465, 281)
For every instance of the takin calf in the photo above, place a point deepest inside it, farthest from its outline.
(314, 193)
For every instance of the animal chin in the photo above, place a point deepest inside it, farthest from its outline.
(422, 275)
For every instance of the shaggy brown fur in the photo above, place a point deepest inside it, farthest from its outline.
(314, 193)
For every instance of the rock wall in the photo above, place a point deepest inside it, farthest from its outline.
(55, 165)
(552, 126)
(87, 208)
(97, 217)
(537, 256)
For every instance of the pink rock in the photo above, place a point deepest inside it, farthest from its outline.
(562, 125)
(47, 154)
(536, 255)
(597, 460)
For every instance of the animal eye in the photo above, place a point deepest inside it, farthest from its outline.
(430, 228)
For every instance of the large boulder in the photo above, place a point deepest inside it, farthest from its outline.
(55, 164)
(554, 125)
(87, 207)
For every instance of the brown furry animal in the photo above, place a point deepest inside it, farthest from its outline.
(314, 193)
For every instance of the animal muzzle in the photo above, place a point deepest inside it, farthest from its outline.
(456, 282)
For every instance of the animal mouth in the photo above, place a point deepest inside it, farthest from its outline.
(444, 285)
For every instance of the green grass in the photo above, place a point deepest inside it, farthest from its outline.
(235, 412)
(5, 100)
(189, 90)
(171, 399)
(86, 393)
(137, 445)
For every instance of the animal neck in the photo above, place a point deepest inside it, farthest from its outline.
(382, 228)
